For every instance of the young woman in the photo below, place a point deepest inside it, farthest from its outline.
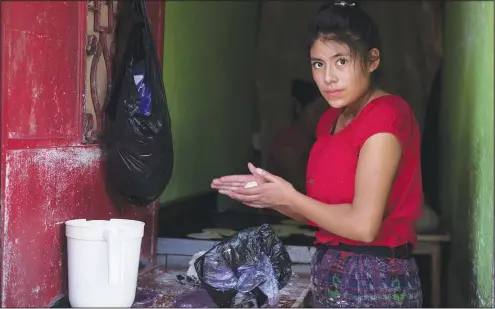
(288, 152)
(364, 188)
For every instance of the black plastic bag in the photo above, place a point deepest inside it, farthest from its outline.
(139, 152)
(246, 270)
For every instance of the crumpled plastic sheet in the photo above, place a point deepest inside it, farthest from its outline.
(248, 278)
(247, 270)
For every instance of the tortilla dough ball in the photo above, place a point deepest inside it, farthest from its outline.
(251, 184)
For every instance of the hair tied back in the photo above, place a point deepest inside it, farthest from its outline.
(344, 3)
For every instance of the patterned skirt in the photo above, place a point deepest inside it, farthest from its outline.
(343, 279)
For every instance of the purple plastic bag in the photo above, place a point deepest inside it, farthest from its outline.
(247, 270)
(194, 299)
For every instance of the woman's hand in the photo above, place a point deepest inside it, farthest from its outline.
(233, 182)
(271, 191)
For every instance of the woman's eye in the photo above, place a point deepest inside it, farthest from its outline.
(341, 62)
(317, 65)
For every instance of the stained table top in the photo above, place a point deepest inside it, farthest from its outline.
(158, 288)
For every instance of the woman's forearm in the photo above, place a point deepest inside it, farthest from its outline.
(291, 214)
(340, 219)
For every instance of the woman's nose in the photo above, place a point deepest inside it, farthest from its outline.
(330, 76)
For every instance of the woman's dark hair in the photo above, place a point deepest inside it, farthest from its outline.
(304, 92)
(345, 22)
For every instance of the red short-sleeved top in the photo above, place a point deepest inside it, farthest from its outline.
(333, 161)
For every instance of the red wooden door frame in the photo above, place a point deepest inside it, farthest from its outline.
(47, 175)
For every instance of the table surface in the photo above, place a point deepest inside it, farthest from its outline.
(158, 288)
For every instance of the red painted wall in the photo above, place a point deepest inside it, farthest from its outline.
(47, 175)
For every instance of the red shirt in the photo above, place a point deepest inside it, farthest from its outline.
(333, 161)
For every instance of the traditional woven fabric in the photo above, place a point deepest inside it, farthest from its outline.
(349, 280)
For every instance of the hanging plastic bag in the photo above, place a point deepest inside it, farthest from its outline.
(139, 152)
(247, 270)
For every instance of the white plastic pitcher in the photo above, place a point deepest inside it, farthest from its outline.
(103, 261)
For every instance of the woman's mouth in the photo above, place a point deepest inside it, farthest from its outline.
(333, 93)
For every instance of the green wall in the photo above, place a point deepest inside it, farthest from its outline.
(467, 133)
(208, 73)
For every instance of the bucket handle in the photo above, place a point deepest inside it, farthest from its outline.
(115, 255)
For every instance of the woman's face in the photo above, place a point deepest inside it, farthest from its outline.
(339, 76)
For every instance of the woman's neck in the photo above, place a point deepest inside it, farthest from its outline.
(351, 110)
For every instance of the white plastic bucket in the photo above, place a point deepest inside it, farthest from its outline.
(103, 261)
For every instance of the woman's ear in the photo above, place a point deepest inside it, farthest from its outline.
(373, 60)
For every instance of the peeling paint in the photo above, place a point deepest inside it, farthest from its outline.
(19, 51)
(45, 82)
(32, 114)
(42, 188)
(7, 253)
(74, 157)
(60, 169)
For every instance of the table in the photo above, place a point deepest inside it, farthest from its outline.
(431, 244)
(428, 244)
(158, 288)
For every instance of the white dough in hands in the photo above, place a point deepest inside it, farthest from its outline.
(251, 184)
